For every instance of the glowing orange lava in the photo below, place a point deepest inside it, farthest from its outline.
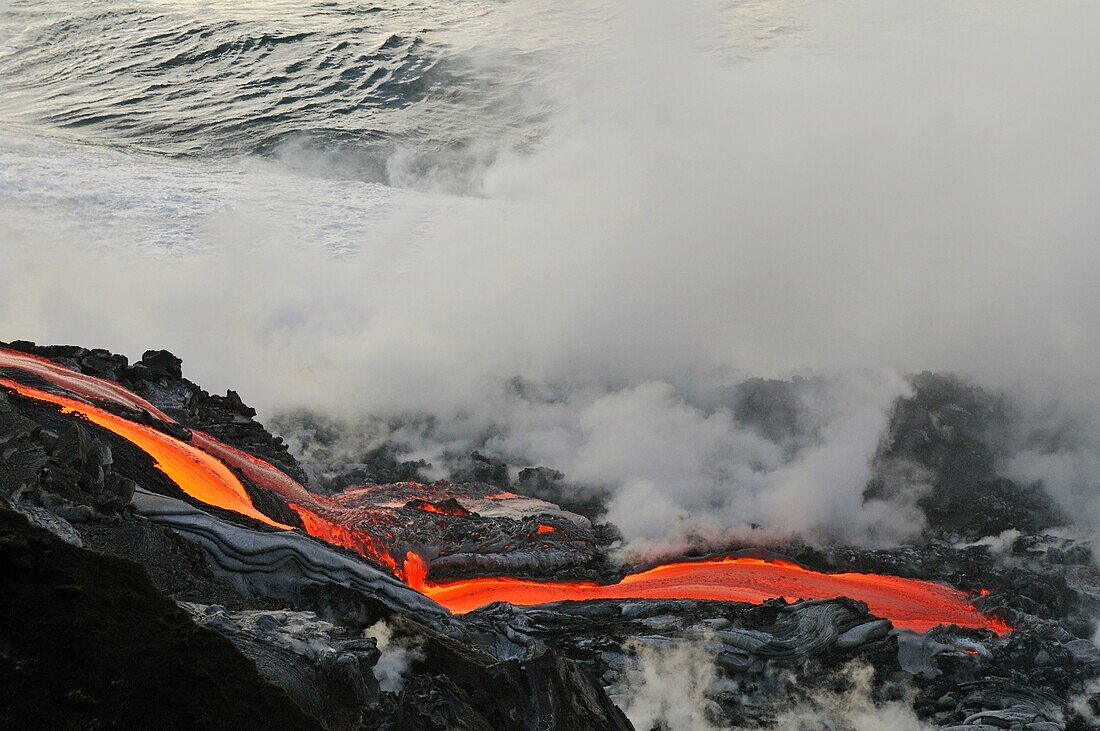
(437, 508)
(197, 473)
(89, 387)
(255, 469)
(338, 535)
(908, 603)
(200, 469)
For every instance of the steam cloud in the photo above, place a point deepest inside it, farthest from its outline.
(889, 189)
(854, 708)
(668, 688)
(674, 685)
(397, 657)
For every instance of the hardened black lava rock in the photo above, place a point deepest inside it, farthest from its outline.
(158, 378)
(953, 432)
(87, 642)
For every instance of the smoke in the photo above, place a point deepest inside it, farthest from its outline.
(710, 473)
(854, 708)
(1058, 445)
(1085, 703)
(667, 688)
(886, 189)
(397, 657)
(674, 686)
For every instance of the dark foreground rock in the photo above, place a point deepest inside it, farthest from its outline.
(290, 617)
(86, 641)
(239, 625)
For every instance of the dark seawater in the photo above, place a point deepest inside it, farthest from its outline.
(354, 81)
(422, 94)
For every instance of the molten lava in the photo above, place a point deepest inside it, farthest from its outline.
(443, 507)
(338, 535)
(89, 387)
(200, 469)
(196, 472)
(908, 603)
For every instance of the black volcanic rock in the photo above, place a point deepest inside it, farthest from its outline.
(545, 691)
(952, 432)
(550, 485)
(772, 407)
(157, 365)
(542, 691)
(303, 609)
(327, 673)
(68, 462)
(481, 468)
(158, 378)
(86, 641)
(430, 703)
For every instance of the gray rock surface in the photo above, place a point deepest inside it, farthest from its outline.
(280, 563)
(329, 675)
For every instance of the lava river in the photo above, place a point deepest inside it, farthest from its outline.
(201, 469)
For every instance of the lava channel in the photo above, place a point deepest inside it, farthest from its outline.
(908, 603)
(199, 469)
(197, 473)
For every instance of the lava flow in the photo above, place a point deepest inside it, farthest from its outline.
(197, 473)
(908, 603)
(200, 469)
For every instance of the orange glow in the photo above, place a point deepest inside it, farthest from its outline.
(338, 535)
(430, 507)
(255, 469)
(197, 473)
(908, 603)
(90, 387)
(200, 469)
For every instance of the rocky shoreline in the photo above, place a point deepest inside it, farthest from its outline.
(114, 567)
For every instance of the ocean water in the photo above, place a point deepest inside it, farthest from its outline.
(414, 93)
(132, 125)
(228, 78)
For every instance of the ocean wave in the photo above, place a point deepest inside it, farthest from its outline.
(215, 81)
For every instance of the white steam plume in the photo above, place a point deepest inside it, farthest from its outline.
(396, 659)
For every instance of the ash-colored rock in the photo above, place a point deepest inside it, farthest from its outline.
(328, 674)
(281, 563)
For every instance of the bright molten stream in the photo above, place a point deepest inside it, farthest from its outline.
(908, 603)
(200, 475)
(200, 469)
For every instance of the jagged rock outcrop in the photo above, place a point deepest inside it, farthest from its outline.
(467, 687)
(329, 675)
(158, 377)
(952, 432)
(68, 469)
